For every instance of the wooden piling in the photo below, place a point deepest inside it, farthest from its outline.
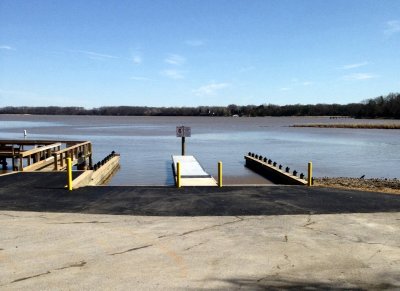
(69, 174)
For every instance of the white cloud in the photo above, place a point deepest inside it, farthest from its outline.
(210, 89)
(354, 66)
(6, 47)
(95, 55)
(137, 59)
(307, 83)
(285, 89)
(359, 76)
(138, 78)
(195, 42)
(392, 27)
(173, 74)
(174, 59)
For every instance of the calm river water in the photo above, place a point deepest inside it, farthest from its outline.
(147, 143)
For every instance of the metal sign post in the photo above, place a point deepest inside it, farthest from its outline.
(183, 131)
(183, 145)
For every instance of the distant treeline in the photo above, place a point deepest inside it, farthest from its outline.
(380, 107)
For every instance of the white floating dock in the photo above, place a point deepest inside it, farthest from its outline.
(192, 173)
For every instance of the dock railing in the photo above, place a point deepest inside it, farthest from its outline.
(60, 157)
(37, 157)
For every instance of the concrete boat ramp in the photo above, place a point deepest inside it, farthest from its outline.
(195, 238)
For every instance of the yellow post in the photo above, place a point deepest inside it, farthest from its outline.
(178, 174)
(220, 174)
(69, 173)
(309, 180)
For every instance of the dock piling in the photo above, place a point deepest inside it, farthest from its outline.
(220, 174)
(183, 145)
(309, 178)
(69, 173)
(178, 174)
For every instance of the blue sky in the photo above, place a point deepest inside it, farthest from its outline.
(189, 53)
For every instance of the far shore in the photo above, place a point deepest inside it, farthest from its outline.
(349, 125)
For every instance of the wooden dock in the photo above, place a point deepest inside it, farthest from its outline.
(192, 173)
(272, 171)
(48, 156)
(43, 155)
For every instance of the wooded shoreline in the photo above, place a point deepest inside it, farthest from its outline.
(349, 125)
(379, 107)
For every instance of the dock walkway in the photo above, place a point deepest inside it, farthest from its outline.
(192, 173)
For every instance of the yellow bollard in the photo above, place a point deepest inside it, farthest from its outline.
(69, 173)
(178, 175)
(220, 174)
(309, 179)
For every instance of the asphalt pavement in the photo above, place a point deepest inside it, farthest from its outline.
(45, 192)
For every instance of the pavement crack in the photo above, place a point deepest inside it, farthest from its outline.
(211, 226)
(301, 244)
(9, 215)
(30, 277)
(79, 222)
(76, 265)
(374, 254)
(309, 221)
(131, 250)
(239, 219)
(196, 245)
(358, 240)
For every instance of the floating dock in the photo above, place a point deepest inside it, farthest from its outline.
(192, 173)
(272, 171)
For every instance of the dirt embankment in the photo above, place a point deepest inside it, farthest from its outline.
(374, 185)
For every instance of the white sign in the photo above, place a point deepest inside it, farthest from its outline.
(183, 131)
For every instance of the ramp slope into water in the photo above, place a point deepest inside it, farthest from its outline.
(192, 173)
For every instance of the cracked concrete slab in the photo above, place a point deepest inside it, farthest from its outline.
(65, 251)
